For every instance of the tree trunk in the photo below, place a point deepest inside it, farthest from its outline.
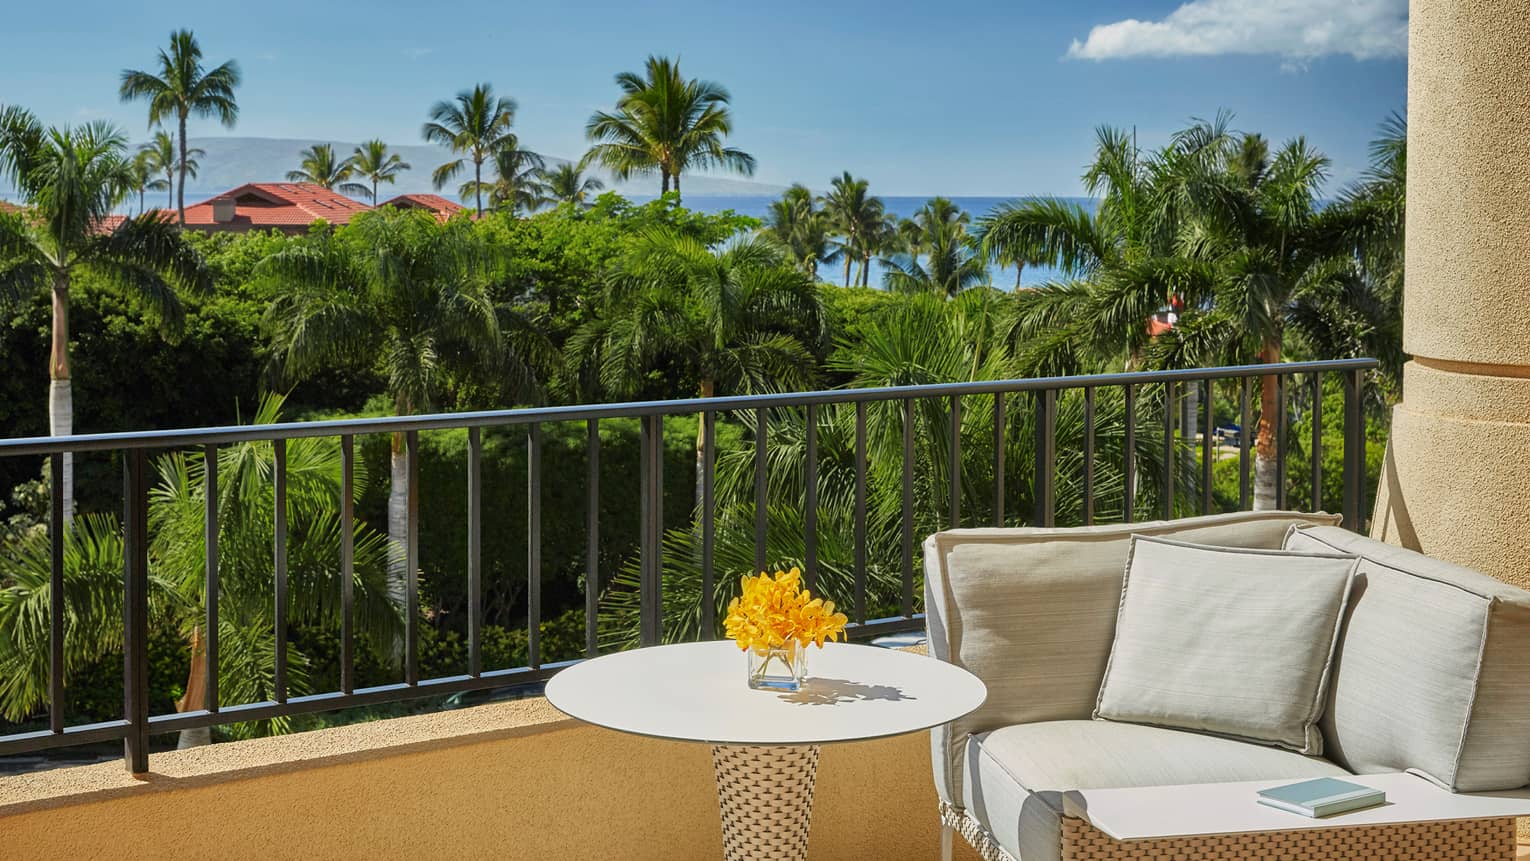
(180, 205)
(478, 185)
(677, 186)
(398, 521)
(866, 271)
(847, 267)
(60, 393)
(708, 389)
(1266, 477)
(196, 693)
(1019, 269)
(170, 188)
(374, 193)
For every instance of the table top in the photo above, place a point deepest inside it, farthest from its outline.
(699, 692)
(1201, 809)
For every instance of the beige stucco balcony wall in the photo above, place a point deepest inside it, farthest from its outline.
(1457, 481)
(505, 781)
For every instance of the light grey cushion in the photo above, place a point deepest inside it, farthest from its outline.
(1233, 641)
(1032, 612)
(1432, 671)
(1015, 776)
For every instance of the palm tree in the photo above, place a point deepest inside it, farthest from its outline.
(373, 162)
(667, 124)
(405, 295)
(322, 168)
(1212, 222)
(140, 172)
(182, 88)
(738, 319)
(161, 158)
(517, 182)
(950, 264)
(855, 216)
(800, 229)
(566, 183)
(475, 123)
(72, 178)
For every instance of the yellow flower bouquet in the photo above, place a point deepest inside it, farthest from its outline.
(774, 619)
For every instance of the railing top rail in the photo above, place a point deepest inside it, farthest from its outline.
(179, 437)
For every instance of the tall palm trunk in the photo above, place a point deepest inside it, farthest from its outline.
(170, 189)
(1019, 269)
(196, 693)
(398, 520)
(1266, 473)
(180, 190)
(60, 395)
(677, 186)
(374, 192)
(847, 267)
(478, 184)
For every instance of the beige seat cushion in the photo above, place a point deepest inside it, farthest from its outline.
(1015, 776)
(1229, 640)
(1032, 613)
(1432, 672)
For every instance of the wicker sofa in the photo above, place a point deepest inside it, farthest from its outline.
(1428, 675)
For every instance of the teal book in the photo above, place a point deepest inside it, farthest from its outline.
(1324, 796)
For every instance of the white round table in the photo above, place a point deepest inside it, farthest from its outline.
(765, 743)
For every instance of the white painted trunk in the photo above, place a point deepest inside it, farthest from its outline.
(196, 737)
(398, 526)
(61, 423)
(1264, 482)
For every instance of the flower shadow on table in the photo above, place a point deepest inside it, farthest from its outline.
(817, 691)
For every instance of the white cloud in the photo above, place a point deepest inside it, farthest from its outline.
(1297, 30)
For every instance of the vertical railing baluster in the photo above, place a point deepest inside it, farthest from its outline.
(279, 507)
(1317, 442)
(1129, 464)
(908, 507)
(1088, 455)
(956, 461)
(708, 525)
(135, 612)
(1280, 441)
(1170, 406)
(592, 538)
(412, 561)
(1245, 438)
(998, 458)
(860, 511)
(56, 593)
(651, 470)
(761, 487)
(810, 498)
(211, 586)
(475, 551)
(1045, 489)
(648, 635)
(1354, 449)
(1208, 452)
(534, 545)
(347, 563)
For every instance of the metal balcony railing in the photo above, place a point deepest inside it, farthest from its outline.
(1040, 395)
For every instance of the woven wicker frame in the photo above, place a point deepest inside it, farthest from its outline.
(766, 797)
(1459, 840)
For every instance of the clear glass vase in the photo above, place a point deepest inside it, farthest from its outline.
(779, 668)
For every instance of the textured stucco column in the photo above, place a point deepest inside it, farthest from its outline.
(1457, 480)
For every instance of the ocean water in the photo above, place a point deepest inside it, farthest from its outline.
(757, 206)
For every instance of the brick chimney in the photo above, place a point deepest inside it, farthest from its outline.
(223, 210)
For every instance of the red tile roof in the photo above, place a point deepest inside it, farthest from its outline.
(287, 206)
(9, 207)
(442, 207)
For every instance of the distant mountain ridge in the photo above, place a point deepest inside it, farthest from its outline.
(234, 161)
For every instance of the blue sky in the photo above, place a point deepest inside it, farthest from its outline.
(960, 98)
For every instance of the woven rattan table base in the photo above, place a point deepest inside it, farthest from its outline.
(766, 797)
(1461, 840)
